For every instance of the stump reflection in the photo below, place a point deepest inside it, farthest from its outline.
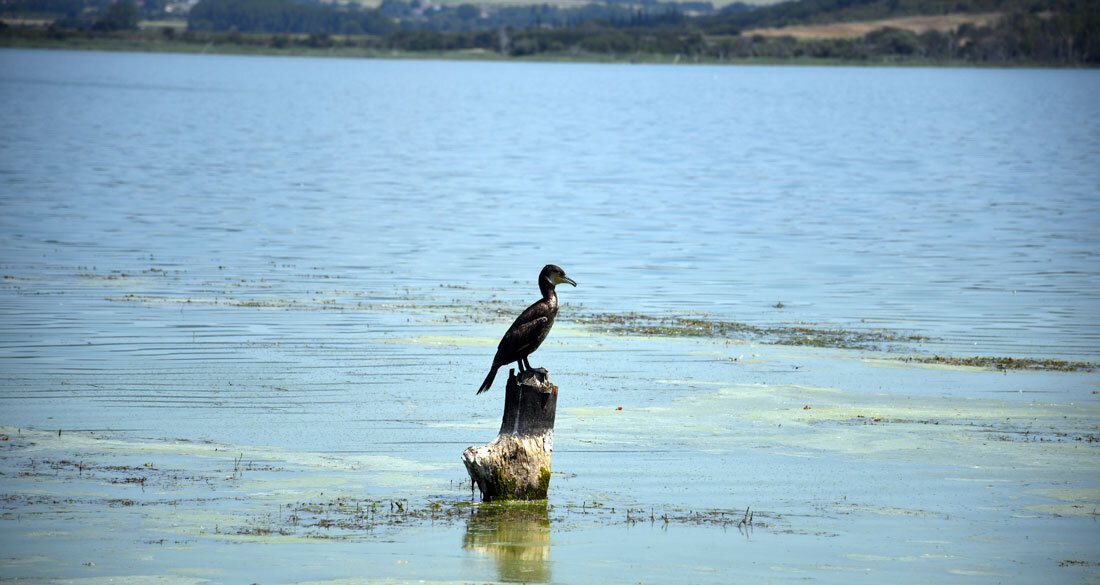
(516, 535)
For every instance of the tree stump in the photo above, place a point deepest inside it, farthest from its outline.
(516, 465)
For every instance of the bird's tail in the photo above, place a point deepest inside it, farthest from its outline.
(488, 379)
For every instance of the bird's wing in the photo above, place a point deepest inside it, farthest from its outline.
(520, 339)
(522, 336)
(537, 309)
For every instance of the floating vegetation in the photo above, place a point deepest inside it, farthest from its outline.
(494, 310)
(678, 326)
(998, 430)
(112, 276)
(1073, 563)
(351, 518)
(1005, 363)
(144, 475)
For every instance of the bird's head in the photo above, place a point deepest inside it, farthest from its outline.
(556, 275)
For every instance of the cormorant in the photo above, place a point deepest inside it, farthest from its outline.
(530, 328)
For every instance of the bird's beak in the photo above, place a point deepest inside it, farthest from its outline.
(567, 279)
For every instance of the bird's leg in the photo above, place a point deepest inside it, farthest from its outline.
(519, 363)
(526, 363)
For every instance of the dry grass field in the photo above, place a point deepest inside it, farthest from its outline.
(839, 30)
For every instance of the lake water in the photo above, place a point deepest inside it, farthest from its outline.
(310, 261)
(954, 203)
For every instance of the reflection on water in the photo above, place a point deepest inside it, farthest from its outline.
(516, 536)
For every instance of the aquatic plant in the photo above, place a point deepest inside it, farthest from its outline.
(1006, 363)
(701, 326)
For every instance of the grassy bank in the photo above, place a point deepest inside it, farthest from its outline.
(363, 47)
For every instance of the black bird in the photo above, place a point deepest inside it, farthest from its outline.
(531, 327)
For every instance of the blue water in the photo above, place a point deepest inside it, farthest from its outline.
(958, 204)
(305, 256)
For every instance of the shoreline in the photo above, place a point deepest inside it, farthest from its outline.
(226, 47)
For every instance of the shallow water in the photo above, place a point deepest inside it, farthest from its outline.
(256, 296)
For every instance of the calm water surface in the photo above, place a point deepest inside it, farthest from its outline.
(962, 205)
(298, 253)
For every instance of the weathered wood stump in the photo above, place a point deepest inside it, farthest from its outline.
(516, 465)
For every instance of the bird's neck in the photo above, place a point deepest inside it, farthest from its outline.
(547, 288)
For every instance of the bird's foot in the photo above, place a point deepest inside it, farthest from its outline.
(539, 374)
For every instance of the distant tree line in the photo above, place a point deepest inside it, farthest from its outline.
(123, 15)
(1062, 31)
(1032, 31)
(57, 8)
(306, 17)
(118, 16)
(413, 15)
(1067, 38)
(74, 13)
(287, 17)
(1062, 38)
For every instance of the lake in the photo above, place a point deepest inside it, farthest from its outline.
(247, 298)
